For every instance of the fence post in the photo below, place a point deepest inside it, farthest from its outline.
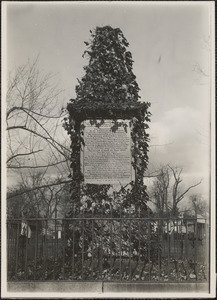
(186, 240)
(111, 242)
(207, 243)
(44, 248)
(82, 250)
(36, 248)
(64, 247)
(101, 250)
(196, 243)
(120, 244)
(73, 242)
(139, 259)
(92, 244)
(149, 245)
(55, 244)
(73, 248)
(159, 250)
(130, 250)
(168, 249)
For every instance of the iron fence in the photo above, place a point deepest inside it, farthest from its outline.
(107, 249)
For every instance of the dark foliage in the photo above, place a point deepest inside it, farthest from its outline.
(108, 90)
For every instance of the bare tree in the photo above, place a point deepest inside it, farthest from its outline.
(167, 191)
(198, 205)
(35, 137)
(38, 196)
(33, 115)
(159, 195)
(177, 192)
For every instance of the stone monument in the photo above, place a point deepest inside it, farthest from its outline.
(107, 122)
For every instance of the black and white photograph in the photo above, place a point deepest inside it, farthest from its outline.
(108, 149)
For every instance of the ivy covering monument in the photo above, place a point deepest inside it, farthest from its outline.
(108, 91)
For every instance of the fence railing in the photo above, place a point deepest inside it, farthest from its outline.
(107, 249)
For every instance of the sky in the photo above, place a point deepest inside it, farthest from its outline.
(167, 40)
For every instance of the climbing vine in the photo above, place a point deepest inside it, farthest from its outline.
(109, 90)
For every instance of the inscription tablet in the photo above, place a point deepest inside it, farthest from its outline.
(106, 157)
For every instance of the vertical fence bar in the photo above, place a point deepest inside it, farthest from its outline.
(15, 228)
(174, 237)
(159, 250)
(82, 253)
(181, 234)
(73, 249)
(13, 254)
(139, 235)
(17, 249)
(196, 254)
(9, 237)
(164, 237)
(55, 247)
(57, 241)
(120, 246)
(10, 246)
(11, 243)
(111, 241)
(101, 250)
(149, 250)
(26, 249)
(168, 250)
(130, 251)
(36, 248)
(177, 247)
(45, 249)
(206, 249)
(64, 247)
(16, 239)
(174, 252)
(92, 247)
(186, 240)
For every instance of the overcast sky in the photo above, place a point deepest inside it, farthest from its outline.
(166, 40)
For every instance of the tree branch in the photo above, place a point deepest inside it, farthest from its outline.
(36, 167)
(31, 111)
(192, 186)
(38, 188)
(39, 135)
(47, 132)
(23, 154)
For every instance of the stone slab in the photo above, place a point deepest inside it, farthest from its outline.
(55, 287)
(106, 287)
(122, 287)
